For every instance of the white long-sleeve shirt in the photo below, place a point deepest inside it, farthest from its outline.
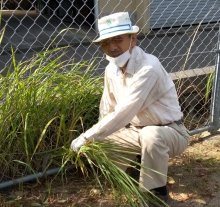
(144, 95)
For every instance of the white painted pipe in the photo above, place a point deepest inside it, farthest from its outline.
(96, 13)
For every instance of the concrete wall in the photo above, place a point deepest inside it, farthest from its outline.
(189, 78)
(191, 87)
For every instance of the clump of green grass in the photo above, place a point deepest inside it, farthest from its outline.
(43, 103)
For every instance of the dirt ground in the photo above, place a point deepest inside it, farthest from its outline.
(195, 174)
(194, 181)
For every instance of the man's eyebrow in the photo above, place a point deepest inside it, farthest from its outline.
(117, 36)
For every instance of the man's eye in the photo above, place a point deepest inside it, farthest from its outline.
(117, 39)
(105, 42)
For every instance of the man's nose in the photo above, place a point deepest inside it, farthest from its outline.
(112, 46)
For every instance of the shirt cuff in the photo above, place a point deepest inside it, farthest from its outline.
(89, 134)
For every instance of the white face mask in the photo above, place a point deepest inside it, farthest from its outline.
(122, 59)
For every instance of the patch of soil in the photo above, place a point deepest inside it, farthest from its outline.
(194, 175)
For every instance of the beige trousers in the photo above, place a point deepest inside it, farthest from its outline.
(156, 144)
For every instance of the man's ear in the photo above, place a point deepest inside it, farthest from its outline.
(133, 40)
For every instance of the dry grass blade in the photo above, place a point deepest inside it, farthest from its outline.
(179, 82)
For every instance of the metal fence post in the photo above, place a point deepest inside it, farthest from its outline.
(96, 14)
(216, 92)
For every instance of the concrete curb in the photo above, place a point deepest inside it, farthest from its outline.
(180, 30)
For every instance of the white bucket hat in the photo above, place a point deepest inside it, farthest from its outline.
(115, 24)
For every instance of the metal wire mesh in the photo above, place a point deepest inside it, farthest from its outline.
(183, 34)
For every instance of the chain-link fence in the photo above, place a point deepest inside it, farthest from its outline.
(183, 34)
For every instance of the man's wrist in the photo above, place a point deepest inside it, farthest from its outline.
(89, 134)
(83, 136)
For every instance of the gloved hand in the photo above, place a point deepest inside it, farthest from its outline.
(78, 143)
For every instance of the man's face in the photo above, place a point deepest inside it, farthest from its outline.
(117, 45)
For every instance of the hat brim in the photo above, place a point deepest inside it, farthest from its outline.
(134, 30)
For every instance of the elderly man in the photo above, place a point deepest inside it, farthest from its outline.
(139, 105)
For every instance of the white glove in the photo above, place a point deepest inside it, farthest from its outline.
(78, 143)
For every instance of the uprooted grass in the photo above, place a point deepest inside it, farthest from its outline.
(103, 159)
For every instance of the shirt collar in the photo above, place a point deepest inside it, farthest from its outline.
(118, 71)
